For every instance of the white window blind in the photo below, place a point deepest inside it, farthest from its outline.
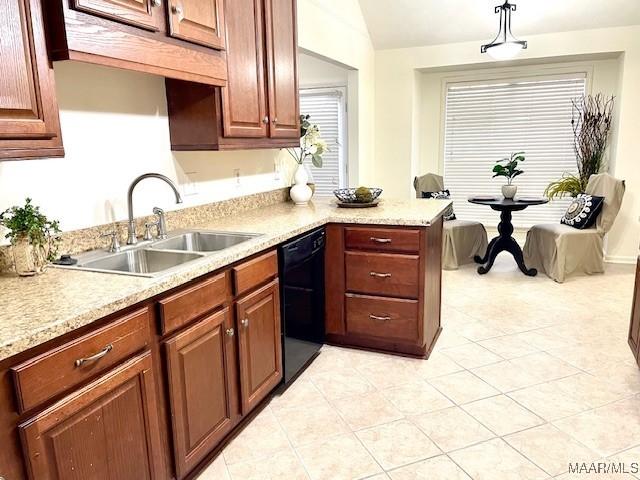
(488, 121)
(327, 109)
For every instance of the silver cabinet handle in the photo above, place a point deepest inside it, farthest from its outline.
(245, 322)
(176, 9)
(386, 318)
(230, 332)
(380, 275)
(380, 240)
(265, 120)
(156, 3)
(275, 120)
(95, 357)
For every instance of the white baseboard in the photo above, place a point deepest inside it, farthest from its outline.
(621, 259)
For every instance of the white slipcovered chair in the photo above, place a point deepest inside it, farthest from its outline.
(560, 250)
(462, 239)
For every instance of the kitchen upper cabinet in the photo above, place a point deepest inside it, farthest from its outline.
(140, 13)
(173, 38)
(202, 386)
(259, 107)
(634, 328)
(107, 430)
(198, 21)
(282, 58)
(29, 123)
(259, 337)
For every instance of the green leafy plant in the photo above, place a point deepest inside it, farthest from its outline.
(508, 167)
(311, 144)
(28, 223)
(591, 121)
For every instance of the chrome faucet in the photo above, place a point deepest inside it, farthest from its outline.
(132, 237)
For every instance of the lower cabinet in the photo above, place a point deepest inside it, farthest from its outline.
(634, 328)
(202, 388)
(107, 430)
(258, 317)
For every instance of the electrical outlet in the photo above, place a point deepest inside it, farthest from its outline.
(276, 170)
(236, 173)
(190, 187)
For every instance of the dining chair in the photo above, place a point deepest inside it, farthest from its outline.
(462, 239)
(560, 250)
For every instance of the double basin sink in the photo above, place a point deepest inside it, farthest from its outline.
(159, 257)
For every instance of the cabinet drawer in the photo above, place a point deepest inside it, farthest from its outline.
(388, 318)
(383, 274)
(185, 306)
(53, 372)
(382, 239)
(255, 272)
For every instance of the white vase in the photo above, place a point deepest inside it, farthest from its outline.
(301, 192)
(509, 191)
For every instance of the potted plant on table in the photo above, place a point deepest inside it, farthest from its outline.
(33, 238)
(508, 167)
(311, 146)
(591, 122)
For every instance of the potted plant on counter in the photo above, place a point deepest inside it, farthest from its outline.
(311, 146)
(33, 238)
(508, 167)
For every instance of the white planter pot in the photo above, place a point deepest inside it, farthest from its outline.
(509, 191)
(300, 192)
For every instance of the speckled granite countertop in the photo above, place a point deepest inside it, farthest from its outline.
(35, 310)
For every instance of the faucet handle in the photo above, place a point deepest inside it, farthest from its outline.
(115, 241)
(147, 230)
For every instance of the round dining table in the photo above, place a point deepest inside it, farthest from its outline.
(504, 242)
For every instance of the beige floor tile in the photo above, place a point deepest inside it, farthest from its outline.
(329, 359)
(260, 439)
(340, 383)
(310, 424)
(591, 390)
(217, 470)
(543, 339)
(624, 376)
(463, 387)
(416, 398)
(549, 401)
(544, 366)
(628, 460)
(595, 476)
(505, 376)
(340, 458)
(477, 330)
(437, 365)
(508, 346)
(550, 448)
(449, 338)
(301, 392)
(608, 429)
(368, 410)
(495, 460)
(388, 372)
(502, 415)
(471, 355)
(452, 428)
(398, 443)
(437, 468)
(279, 466)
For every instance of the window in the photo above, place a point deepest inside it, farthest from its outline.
(327, 108)
(487, 121)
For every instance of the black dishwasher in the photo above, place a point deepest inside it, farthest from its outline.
(302, 301)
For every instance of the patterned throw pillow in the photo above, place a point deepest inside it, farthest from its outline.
(442, 195)
(583, 211)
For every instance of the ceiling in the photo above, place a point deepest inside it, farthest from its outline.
(412, 23)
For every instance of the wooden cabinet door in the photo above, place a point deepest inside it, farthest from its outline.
(634, 328)
(202, 370)
(244, 99)
(145, 14)
(282, 68)
(29, 124)
(198, 21)
(107, 430)
(258, 323)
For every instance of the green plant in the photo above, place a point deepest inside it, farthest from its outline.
(508, 167)
(29, 223)
(311, 144)
(591, 120)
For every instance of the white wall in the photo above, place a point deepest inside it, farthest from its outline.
(115, 127)
(398, 78)
(316, 72)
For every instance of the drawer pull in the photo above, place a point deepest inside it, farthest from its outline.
(386, 318)
(245, 322)
(95, 357)
(230, 332)
(380, 240)
(380, 275)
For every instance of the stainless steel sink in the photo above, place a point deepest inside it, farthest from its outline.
(203, 241)
(142, 262)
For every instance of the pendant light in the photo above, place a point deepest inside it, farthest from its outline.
(505, 45)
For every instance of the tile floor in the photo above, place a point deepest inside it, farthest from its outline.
(527, 376)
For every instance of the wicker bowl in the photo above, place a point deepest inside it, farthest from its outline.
(348, 195)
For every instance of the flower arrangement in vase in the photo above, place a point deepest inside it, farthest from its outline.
(311, 146)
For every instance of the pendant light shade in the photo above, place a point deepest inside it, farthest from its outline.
(505, 45)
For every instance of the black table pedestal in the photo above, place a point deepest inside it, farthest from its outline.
(504, 243)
